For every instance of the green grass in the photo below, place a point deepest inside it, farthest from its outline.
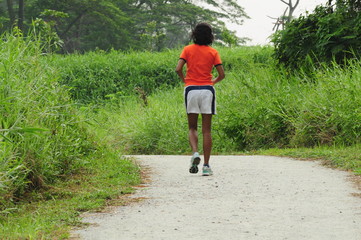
(65, 121)
(346, 158)
(51, 213)
(42, 136)
(259, 106)
(52, 166)
(99, 76)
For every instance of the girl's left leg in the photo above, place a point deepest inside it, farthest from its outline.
(193, 134)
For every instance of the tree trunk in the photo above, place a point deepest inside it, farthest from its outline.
(70, 25)
(11, 11)
(21, 15)
(291, 8)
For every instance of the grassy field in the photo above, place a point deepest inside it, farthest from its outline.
(260, 107)
(67, 120)
(52, 166)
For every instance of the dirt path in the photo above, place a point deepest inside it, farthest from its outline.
(249, 197)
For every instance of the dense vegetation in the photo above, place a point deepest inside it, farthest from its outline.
(132, 103)
(65, 120)
(44, 141)
(332, 33)
(78, 25)
(260, 105)
(98, 76)
(42, 136)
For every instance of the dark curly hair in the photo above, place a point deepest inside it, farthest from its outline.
(202, 34)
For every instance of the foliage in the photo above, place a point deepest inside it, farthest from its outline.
(174, 19)
(45, 31)
(42, 137)
(325, 35)
(124, 24)
(343, 157)
(279, 110)
(259, 106)
(51, 214)
(96, 76)
(52, 166)
(230, 38)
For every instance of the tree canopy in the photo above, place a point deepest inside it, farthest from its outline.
(83, 25)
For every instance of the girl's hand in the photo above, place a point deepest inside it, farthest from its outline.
(221, 75)
(179, 69)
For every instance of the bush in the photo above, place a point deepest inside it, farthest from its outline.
(326, 35)
(259, 107)
(42, 137)
(97, 76)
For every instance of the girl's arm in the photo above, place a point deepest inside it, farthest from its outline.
(221, 74)
(179, 69)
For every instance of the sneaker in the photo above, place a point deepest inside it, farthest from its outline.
(207, 171)
(194, 163)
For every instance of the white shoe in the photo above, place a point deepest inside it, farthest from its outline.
(195, 160)
(207, 171)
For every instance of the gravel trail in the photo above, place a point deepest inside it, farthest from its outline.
(248, 197)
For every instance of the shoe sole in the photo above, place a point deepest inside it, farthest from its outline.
(207, 174)
(194, 167)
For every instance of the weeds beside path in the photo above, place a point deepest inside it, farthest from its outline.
(50, 214)
(345, 158)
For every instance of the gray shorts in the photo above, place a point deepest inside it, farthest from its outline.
(200, 99)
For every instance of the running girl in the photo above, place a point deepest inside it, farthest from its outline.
(199, 92)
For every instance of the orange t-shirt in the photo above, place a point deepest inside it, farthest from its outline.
(200, 60)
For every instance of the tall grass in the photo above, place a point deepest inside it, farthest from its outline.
(273, 108)
(52, 165)
(42, 137)
(276, 109)
(97, 76)
(259, 106)
(52, 125)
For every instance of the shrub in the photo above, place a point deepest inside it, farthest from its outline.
(97, 76)
(325, 35)
(259, 107)
(42, 137)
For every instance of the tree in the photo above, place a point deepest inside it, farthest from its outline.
(10, 7)
(12, 16)
(91, 24)
(175, 18)
(21, 15)
(230, 39)
(287, 15)
(291, 8)
(124, 24)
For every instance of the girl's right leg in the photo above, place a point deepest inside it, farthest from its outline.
(193, 140)
(193, 134)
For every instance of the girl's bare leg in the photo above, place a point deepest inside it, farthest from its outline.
(207, 136)
(193, 134)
